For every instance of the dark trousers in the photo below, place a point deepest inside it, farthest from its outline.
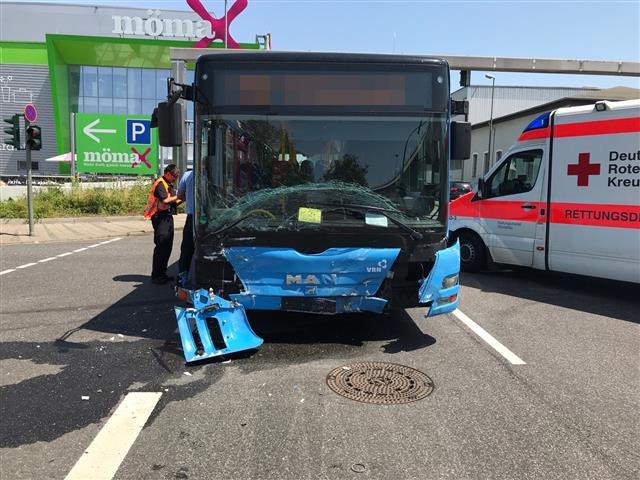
(187, 245)
(163, 239)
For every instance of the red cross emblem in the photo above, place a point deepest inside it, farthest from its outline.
(583, 169)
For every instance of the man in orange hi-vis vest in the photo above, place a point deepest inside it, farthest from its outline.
(161, 207)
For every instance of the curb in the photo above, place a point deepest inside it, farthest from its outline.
(135, 233)
(92, 219)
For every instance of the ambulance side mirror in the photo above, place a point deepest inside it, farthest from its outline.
(460, 140)
(480, 192)
(167, 117)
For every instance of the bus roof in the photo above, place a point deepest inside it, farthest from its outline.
(242, 56)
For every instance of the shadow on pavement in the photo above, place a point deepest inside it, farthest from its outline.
(143, 351)
(609, 298)
(349, 329)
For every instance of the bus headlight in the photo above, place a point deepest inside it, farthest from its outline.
(450, 281)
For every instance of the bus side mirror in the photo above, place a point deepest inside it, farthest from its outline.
(460, 140)
(167, 117)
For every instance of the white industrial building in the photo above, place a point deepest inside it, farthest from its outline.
(513, 109)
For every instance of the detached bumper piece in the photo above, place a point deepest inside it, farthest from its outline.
(213, 326)
(440, 288)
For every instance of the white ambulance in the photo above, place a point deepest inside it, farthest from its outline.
(565, 197)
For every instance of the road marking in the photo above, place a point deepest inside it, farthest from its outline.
(66, 254)
(109, 241)
(26, 265)
(483, 334)
(110, 447)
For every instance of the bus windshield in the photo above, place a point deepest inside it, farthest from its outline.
(292, 172)
(332, 146)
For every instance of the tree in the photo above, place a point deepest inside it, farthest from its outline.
(348, 170)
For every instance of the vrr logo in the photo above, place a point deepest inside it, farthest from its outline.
(583, 169)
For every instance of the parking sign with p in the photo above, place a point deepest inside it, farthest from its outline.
(138, 132)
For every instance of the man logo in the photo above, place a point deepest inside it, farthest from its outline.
(310, 279)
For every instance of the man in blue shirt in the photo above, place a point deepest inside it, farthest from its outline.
(186, 193)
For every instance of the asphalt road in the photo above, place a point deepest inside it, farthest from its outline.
(91, 324)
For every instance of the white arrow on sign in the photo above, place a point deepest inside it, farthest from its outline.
(89, 130)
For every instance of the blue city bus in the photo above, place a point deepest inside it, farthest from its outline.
(321, 185)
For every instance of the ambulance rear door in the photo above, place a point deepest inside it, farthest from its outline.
(595, 191)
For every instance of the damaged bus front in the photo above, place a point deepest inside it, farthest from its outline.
(322, 181)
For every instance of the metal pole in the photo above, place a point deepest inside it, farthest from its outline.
(72, 138)
(493, 84)
(29, 183)
(179, 74)
(226, 24)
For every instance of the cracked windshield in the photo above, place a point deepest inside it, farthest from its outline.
(274, 173)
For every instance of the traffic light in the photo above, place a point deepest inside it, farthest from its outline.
(34, 137)
(14, 131)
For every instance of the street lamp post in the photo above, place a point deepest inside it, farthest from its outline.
(493, 85)
(226, 24)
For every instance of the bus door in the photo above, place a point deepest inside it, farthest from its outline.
(511, 206)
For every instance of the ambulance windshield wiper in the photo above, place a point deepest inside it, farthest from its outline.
(415, 235)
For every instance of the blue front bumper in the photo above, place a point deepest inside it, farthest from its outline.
(338, 280)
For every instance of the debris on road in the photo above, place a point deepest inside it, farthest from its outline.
(358, 467)
(228, 318)
(85, 397)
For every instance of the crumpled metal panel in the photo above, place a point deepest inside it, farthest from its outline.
(284, 272)
(231, 318)
(432, 290)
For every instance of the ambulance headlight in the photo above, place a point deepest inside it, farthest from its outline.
(450, 281)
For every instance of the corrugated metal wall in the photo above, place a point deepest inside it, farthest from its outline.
(20, 85)
(510, 99)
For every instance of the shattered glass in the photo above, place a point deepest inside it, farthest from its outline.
(294, 172)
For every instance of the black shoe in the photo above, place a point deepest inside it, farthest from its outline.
(168, 277)
(159, 280)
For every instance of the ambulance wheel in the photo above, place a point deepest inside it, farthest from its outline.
(472, 252)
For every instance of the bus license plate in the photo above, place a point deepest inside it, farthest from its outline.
(312, 305)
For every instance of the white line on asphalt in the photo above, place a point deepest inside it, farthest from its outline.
(107, 451)
(66, 254)
(26, 265)
(483, 334)
(109, 241)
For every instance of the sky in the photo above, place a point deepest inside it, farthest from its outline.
(579, 30)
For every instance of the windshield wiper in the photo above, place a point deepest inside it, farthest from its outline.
(415, 235)
(226, 227)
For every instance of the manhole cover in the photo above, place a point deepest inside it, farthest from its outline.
(381, 383)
